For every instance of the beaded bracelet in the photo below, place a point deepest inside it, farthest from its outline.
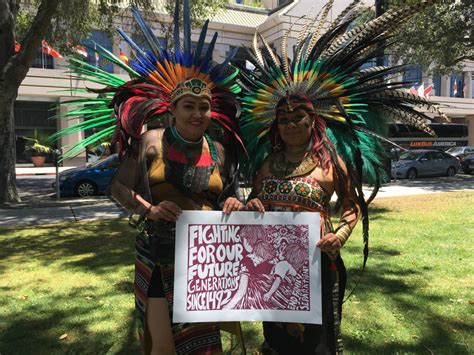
(343, 232)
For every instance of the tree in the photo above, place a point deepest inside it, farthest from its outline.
(438, 39)
(199, 10)
(64, 23)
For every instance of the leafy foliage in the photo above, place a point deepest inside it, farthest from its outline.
(38, 143)
(200, 11)
(439, 38)
(74, 19)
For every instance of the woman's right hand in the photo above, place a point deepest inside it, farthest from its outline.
(165, 210)
(255, 205)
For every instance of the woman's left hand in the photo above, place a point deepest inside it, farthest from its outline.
(232, 204)
(329, 243)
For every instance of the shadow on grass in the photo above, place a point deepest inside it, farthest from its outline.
(402, 285)
(35, 323)
(38, 331)
(95, 247)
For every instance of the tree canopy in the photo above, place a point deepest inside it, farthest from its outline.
(438, 39)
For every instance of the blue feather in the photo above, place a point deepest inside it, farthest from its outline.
(208, 57)
(176, 26)
(187, 27)
(146, 30)
(200, 44)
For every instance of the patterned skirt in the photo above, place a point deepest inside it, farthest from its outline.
(293, 338)
(189, 338)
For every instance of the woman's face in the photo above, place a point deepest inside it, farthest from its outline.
(192, 116)
(295, 127)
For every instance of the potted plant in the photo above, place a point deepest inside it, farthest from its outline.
(39, 146)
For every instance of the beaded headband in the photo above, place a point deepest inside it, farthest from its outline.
(195, 87)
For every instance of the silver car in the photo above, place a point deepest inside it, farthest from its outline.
(424, 162)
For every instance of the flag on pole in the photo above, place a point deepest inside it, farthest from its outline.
(123, 57)
(421, 90)
(413, 90)
(455, 88)
(97, 58)
(47, 49)
(81, 50)
(427, 91)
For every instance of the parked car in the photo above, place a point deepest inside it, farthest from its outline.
(424, 162)
(467, 164)
(90, 180)
(460, 152)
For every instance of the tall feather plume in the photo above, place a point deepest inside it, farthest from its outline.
(275, 61)
(176, 25)
(389, 20)
(256, 50)
(342, 15)
(187, 27)
(284, 49)
(316, 35)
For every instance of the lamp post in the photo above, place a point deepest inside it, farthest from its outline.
(56, 156)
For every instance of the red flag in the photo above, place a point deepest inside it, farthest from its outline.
(80, 50)
(17, 47)
(123, 56)
(50, 50)
(428, 91)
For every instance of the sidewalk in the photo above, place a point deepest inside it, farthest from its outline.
(46, 170)
(68, 211)
(46, 210)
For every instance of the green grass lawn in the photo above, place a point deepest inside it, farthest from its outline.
(68, 288)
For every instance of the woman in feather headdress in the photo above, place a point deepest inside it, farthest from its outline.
(314, 127)
(165, 171)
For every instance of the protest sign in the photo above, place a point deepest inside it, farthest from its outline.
(247, 266)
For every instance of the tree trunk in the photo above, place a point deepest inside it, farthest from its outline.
(13, 69)
(9, 191)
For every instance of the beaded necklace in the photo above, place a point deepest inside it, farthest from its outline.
(187, 166)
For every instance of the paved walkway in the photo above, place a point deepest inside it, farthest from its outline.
(46, 210)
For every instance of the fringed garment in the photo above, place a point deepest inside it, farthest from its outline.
(304, 194)
(199, 188)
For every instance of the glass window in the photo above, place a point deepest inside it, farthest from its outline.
(457, 85)
(413, 73)
(409, 156)
(43, 60)
(102, 38)
(436, 85)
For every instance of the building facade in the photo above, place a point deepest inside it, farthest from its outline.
(48, 83)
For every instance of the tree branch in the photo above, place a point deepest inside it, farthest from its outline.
(21, 62)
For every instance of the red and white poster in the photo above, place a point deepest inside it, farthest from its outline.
(247, 266)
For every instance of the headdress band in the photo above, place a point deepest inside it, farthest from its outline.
(194, 86)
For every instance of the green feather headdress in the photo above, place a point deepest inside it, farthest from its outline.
(356, 104)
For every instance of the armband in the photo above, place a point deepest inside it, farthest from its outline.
(343, 232)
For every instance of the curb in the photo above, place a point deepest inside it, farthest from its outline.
(35, 174)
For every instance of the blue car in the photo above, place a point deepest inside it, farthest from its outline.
(90, 180)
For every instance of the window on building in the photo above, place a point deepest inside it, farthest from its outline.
(102, 38)
(43, 60)
(413, 74)
(282, 2)
(457, 85)
(31, 115)
(437, 85)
